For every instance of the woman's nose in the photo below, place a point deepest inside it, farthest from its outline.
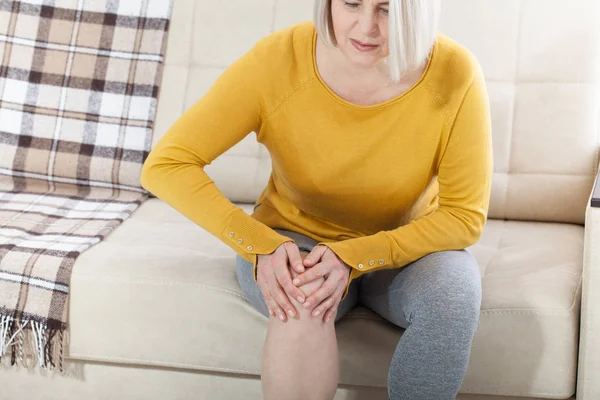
(367, 22)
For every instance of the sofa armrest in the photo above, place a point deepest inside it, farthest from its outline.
(588, 384)
(595, 202)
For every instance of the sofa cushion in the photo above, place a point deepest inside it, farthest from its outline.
(162, 291)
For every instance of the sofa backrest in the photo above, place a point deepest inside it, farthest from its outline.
(541, 59)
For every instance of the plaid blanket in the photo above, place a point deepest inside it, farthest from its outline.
(79, 84)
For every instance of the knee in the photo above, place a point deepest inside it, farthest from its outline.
(455, 292)
(308, 289)
(464, 299)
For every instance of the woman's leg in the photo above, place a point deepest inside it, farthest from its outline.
(437, 299)
(300, 356)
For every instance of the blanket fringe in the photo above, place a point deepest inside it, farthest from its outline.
(32, 343)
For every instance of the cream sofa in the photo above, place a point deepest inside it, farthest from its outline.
(185, 330)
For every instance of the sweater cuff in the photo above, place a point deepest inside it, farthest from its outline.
(249, 237)
(363, 254)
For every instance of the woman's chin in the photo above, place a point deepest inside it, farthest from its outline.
(363, 60)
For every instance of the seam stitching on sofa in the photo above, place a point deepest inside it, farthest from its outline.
(193, 367)
(597, 160)
(566, 312)
(528, 395)
(544, 173)
(563, 313)
(514, 106)
(497, 247)
(498, 312)
(171, 283)
(89, 357)
(190, 61)
(540, 82)
(273, 15)
(575, 296)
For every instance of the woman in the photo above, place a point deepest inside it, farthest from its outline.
(378, 129)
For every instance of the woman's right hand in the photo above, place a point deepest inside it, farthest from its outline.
(275, 280)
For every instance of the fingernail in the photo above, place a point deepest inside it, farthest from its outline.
(327, 319)
(317, 313)
(307, 304)
(301, 299)
(281, 317)
(296, 281)
(291, 313)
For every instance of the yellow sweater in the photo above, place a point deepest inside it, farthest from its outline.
(380, 185)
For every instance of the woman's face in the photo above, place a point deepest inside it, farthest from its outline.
(361, 21)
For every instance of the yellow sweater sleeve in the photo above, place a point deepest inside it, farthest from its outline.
(464, 177)
(174, 170)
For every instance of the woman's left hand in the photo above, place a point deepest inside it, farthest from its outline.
(322, 262)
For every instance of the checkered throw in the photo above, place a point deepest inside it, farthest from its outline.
(79, 84)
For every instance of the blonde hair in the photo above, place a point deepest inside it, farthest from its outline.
(413, 26)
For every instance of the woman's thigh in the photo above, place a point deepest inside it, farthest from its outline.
(245, 275)
(437, 283)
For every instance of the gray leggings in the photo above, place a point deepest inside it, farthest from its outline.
(436, 298)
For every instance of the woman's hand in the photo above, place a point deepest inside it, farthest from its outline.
(274, 279)
(322, 262)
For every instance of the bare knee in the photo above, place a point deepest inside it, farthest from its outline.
(301, 354)
(308, 289)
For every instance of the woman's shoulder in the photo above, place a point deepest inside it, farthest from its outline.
(279, 63)
(295, 34)
(287, 46)
(455, 68)
(455, 60)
